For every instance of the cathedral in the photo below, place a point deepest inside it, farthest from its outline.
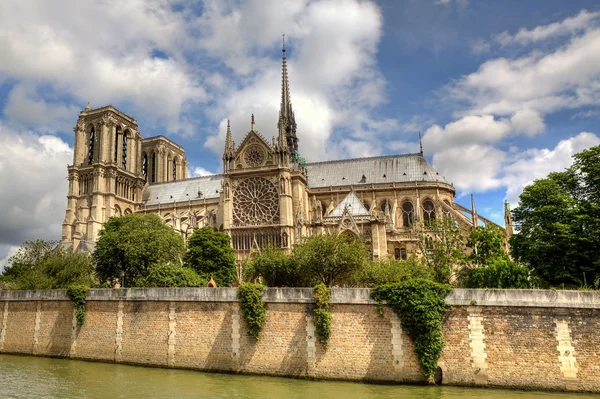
(267, 194)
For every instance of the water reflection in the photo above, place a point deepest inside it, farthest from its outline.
(31, 377)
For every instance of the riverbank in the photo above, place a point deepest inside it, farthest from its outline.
(528, 339)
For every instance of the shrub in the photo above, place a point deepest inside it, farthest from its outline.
(497, 273)
(276, 269)
(77, 294)
(171, 275)
(322, 313)
(210, 255)
(386, 271)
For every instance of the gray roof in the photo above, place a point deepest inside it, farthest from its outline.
(384, 169)
(183, 190)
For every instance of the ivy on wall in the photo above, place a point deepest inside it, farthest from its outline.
(420, 305)
(77, 294)
(322, 313)
(253, 307)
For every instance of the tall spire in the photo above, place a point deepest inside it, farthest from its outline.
(252, 125)
(229, 146)
(474, 212)
(420, 144)
(287, 121)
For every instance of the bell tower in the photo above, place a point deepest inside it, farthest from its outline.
(105, 178)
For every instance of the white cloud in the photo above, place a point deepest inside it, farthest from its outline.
(538, 163)
(528, 121)
(33, 186)
(7, 251)
(199, 171)
(568, 26)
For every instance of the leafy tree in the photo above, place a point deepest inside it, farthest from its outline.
(442, 245)
(43, 264)
(171, 275)
(387, 271)
(210, 255)
(558, 219)
(486, 243)
(130, 245)
(333, 259)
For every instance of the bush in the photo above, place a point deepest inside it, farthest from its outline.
(77, 294)
(387, 271)
(276, 269)
(497, 273)
(253, 307)
(420, 305)
(171, 275)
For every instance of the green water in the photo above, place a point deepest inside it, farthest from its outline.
(31, 377)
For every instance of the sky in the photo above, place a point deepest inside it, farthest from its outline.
(503, 92)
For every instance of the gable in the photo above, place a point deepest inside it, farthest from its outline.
(253, 152)
(352, 204)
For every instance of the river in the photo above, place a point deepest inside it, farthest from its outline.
(37, 377)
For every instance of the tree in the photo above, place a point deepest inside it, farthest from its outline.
(498, 273)
(277, 269)
(443, 248)
(43, 264)
(558, 219)
(130, 245)
(171, 275)
(210, 255)
(486, 243)
(333, 259)
(387, 271)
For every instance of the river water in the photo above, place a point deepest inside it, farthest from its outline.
(36, 377)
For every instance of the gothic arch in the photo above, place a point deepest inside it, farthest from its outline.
(118, 211)
(127, 212)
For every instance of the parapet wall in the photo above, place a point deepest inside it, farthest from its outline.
(509, 338)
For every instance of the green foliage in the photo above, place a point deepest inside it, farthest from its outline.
(498, 273)
(253, 307)
(443, 248)
(420, 305)
(277, 269)
(333, 259)
(46, 265)
(77, 294)
(210, 254)
(486, 243)
(558, 219)
(130, 245)
(171, 275)
(386, 271)
(322, 313)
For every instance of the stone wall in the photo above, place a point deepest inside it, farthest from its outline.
(509, 338)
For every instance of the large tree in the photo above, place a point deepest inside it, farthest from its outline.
(558, 223)
(211, 255)
(442, 246)
(130, 245)
(333, 259)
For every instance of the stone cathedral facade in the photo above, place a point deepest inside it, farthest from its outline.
(266, 196)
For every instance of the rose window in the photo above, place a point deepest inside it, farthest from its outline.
(255, 202)
(254, 156)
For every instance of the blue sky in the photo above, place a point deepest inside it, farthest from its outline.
(504, 92)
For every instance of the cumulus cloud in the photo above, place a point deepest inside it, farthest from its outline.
(199, 171)
(33, 186)
(528, 121)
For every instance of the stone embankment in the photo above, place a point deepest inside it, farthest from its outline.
(530, 339)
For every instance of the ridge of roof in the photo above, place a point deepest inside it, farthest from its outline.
(366, 158)
(185, 180)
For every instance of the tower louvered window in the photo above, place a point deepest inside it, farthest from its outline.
(174, 170)
(153, 168)
(91, 147)
(125, 150)
(145, 167)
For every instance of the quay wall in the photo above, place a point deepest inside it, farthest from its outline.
(532, 339)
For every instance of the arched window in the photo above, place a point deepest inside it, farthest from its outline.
(153, 168)
(145, 167)
(408, 214)
(91, 146)
(174, 170)
(386, 206)
(117, 132)
(125, 150)
(428, 212)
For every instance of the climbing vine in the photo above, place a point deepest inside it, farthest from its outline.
(322, 313)
(77, 294)
(253, 307)
(420, 305)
